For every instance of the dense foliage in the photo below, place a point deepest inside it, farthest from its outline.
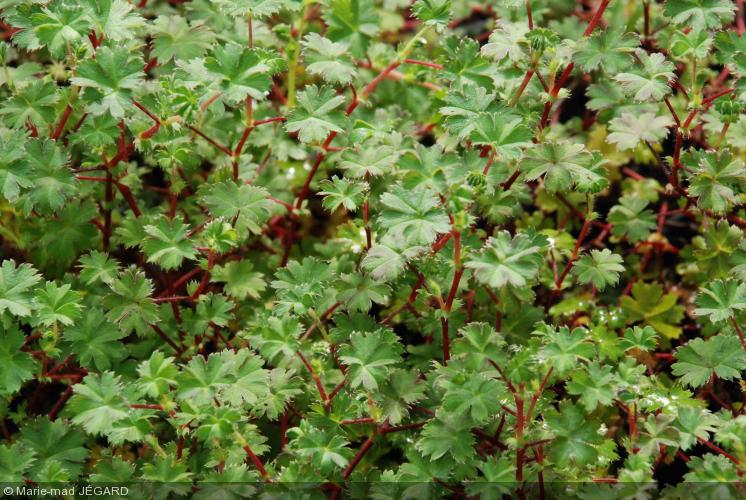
(374, 247)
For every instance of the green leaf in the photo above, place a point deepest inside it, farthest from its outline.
(718, 250)
(508, 40)
(414, 216)
(167, 243)
(326, 452)
(219, 236)
(576, 436)
(601, 268)
(130, 304)
(498, 476)
(16, 283)
(696, 44)
(432, 12)
(249, 384)
(632, 219)
(475, 397)
(33, 104)
(165, 469)
(14, 462)
(478, 342)
(114, 19)
(351, 21)
(463, 107)
(97, 403)
(609, 49)
(300, 285)
(248, 205)
(700, 14)
(53, 182)
(200, 381)
(96, 266)
(156, 374)
(369, 159)
(650, 305)
(717, 180)
(97, 131)
(721, 300)
(16, 366)
(212, 309)
(316, 115)
(112, 75)
(388, 258)
(241, 281)
(54, 441)
(657, 431)
(95, 341)
(401, 391)
(328, 59)
(644, 339)
(450, 436)
(564, 166)
(564, 347)
(60, 24)
(629, 130)
(176, 39)
(358, 292)
(15, 173)
(694, 424)
(509, 261)
(277, 340)
(368, 357)
(651, 82)
(342, 192)
(505, 134)
(713, 469)
(699, 360)
(730, 49)
(257, 9)
(594, 384)
(57, 303)
(239, 73)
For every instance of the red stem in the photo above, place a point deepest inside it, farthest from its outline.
(539, 391)
(596, 17)
(524, 84)
(314, 376)
(717, 449)
(60, 402)
(129, 198)
(575, 252)
(400, 428)
(378, 79)
(673, 113)
(423, 63)
(741, 336)
(364, 420)
(63, 121)
(146, 111)
(256, 461)
(270, 120)
(210, 140)
(519, 427)
(108, 200)
(147, 407)
(716, 95)
(165, 338)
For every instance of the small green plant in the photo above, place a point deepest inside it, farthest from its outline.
(374, 248)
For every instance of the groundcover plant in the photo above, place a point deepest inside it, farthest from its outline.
(374, 248)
